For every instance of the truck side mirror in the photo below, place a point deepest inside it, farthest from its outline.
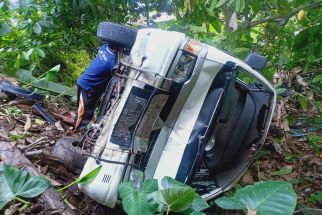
(256, 61)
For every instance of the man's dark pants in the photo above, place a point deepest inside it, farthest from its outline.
(87, 101)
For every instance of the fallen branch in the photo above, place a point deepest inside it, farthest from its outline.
(34, 143)
(64, 119)
(52, 159)
(9, 154)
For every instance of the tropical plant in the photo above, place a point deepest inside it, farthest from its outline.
(287, 32)
(26, 25)
(34, 31)
(85, 179)
(148, 199)
(268, 197)
(16, 183)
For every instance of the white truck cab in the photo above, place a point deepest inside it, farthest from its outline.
(182, 110)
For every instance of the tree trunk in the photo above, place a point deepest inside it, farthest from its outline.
(9, 154)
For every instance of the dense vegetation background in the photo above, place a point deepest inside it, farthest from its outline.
(51, 41)
(39, 34)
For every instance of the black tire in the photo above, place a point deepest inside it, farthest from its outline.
(116, 34)
(67, 152)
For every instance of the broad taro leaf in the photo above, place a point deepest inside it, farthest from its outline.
(269, 197)
(136, 202)
(229, 203)
(168, 182)
(15, 182)
(198, 203)
(177, 199)
(196, 213)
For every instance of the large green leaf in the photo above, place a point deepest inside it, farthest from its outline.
(229, 203)
(15, 182)
(26, 77)
(269, 197)
(220, 3)
(176, 199)
(198, 203)
(136, 202)
(168, 182)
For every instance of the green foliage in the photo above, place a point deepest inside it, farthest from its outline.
(175, 199)
(15, 137)
(317, 79)
(43, 83)
(269, 197)
(137, 202)
(26, 25)
(16, 183)
(175, 196)
(52, 73)
(317, 197)
(198, 203)
(31, 31)
(270, 27)
(73, 64)
(316, 143)
(89, 177)
(50, 31)
(283, 171)
(85, 179)
(10, 111)
(303, 102)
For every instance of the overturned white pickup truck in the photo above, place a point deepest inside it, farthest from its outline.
(177, 108)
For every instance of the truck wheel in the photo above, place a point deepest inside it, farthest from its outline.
(120, 35)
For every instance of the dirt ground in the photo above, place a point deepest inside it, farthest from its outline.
(286, 155)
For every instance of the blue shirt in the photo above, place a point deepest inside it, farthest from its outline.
(99, 72)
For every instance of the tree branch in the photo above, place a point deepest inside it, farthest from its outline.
(276, 17)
